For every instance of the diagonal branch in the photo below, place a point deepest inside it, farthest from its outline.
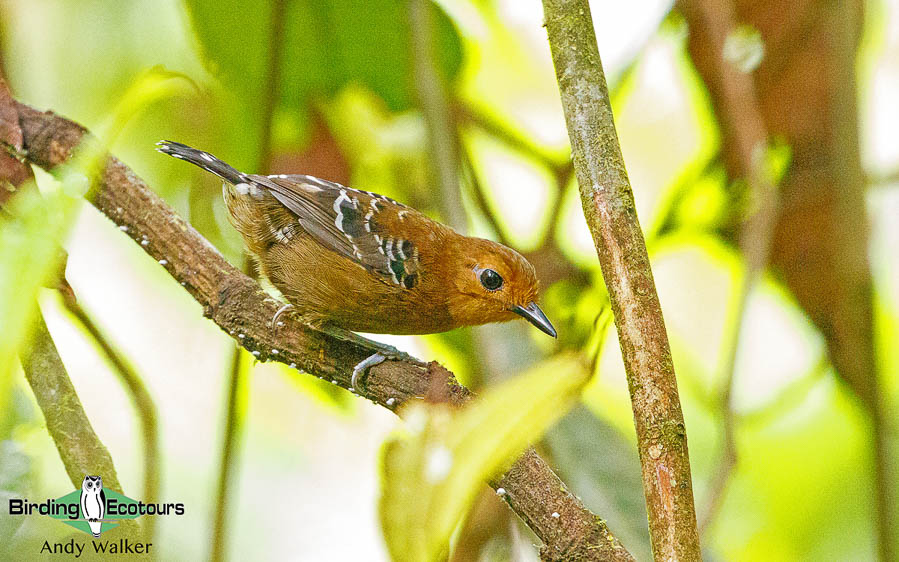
(608, 203)
(240, 307)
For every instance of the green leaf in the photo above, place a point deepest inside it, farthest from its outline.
(327, 45)
(30, 236)
(35, 226)
(430, 475)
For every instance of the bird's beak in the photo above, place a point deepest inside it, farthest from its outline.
(535, 316)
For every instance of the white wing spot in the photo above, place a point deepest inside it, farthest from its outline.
(242, 188)
(402, 215)
(338, 220)
(208, 157)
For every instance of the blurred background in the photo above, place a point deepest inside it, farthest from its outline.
(452, 107)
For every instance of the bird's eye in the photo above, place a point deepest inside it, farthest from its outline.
(491, 280)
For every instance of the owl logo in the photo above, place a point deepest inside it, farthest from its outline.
(93, 503)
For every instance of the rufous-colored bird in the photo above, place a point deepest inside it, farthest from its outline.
(354, 261)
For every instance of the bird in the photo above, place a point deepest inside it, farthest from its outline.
(93, 503)
(348, 260)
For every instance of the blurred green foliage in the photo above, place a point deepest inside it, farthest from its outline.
(431, 474)
(347, 96)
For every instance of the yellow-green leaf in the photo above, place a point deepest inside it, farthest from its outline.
(432, 472)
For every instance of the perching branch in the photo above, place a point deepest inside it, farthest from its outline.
(609, 208)
(239, 306)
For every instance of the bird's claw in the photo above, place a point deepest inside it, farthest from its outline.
(361, 368)
(287, 307)
(360, 371)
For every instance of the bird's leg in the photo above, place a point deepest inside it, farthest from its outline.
(362, 367)
(384, 353)
(286, 308)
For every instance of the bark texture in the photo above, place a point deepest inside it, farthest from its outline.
(608, 204)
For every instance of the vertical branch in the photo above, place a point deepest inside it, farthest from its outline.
(443, 138)
(231, 445)
(238, 386)
(143, 403)
(610, 212)
(272, 85)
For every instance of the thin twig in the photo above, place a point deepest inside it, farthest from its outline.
(467, 113)
(79, 447)
(143, 404)
(443, 138)
(609, 208)
(232, 441)
(479, 196)
(887, 179)
(238, 386)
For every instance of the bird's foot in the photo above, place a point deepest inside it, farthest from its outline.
(385, 352)
(361, 368)
(275, 323)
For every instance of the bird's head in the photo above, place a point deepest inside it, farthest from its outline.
(494, 283)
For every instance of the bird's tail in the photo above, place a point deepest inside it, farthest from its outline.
(202, 159)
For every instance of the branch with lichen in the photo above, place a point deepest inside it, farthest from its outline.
(241, 308)
(608, 203)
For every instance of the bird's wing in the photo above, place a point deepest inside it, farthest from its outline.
(102, 503)
(362, 226)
